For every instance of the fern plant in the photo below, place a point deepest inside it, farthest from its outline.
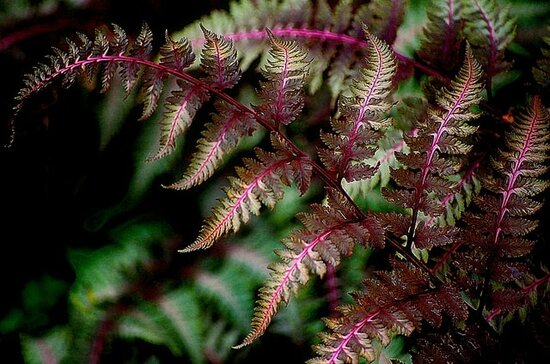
(448, 275)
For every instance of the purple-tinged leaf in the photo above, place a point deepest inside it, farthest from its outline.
(221, 136)
(490, 28)
(180, 109)
(259, 181)
(442, 35)
(330, 232)
(384, 18)
(285, 70)
(176, 54)
(361, 115)
(219, 60)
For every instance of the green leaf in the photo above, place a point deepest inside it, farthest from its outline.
(51, 348)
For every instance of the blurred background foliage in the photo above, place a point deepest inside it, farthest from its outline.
(90, 238)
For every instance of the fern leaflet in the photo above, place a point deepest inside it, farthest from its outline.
(361, 116)
(220, 136)
(500, 230)
(329, 233)
(489, 29)
(441, 135)
(393, 303)
(443, 35)
(285, 71)
(259, 182)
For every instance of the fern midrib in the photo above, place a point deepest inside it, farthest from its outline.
(365, 103)
(393, 22)
(274, 300)
(238, 202)
(535, 284)
(449, 36)
(344, 342)
(170, 138)
(503, 209)
(219, 65)
(493, 48)
(213, 150)
(419, 190)
(281, 91)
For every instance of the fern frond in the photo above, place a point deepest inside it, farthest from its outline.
(442, 35)
(219, 60)
(541, 71)
(525, 158)
(393, 303)
(503, 224)
(384, 18)
(426, 183)
(259, 182)
(361, 115)
(285, 70)
(333, 36)
(219, 64)
(489, 28)
(220, 136)
(330, 232)
(179, 111)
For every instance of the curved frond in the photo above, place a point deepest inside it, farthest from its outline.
(361, 115)
(442, 35)
(258, 182)
(109, 54)
(528, 145)
(285, 70)
(490, 28)
(223, 134)
(393, 303)
(502, 225)
(330, 232)
(436, 149)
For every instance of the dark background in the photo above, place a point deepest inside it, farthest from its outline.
(53, 178)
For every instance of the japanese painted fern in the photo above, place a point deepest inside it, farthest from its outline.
(448, 272)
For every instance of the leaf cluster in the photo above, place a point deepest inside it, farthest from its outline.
(445, 268)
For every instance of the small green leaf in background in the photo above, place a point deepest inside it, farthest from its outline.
(48, 349)
(38, 297)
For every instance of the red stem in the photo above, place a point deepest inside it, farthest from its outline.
(10, 39)
(332, 37)
(535, 284)
(319, 170)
